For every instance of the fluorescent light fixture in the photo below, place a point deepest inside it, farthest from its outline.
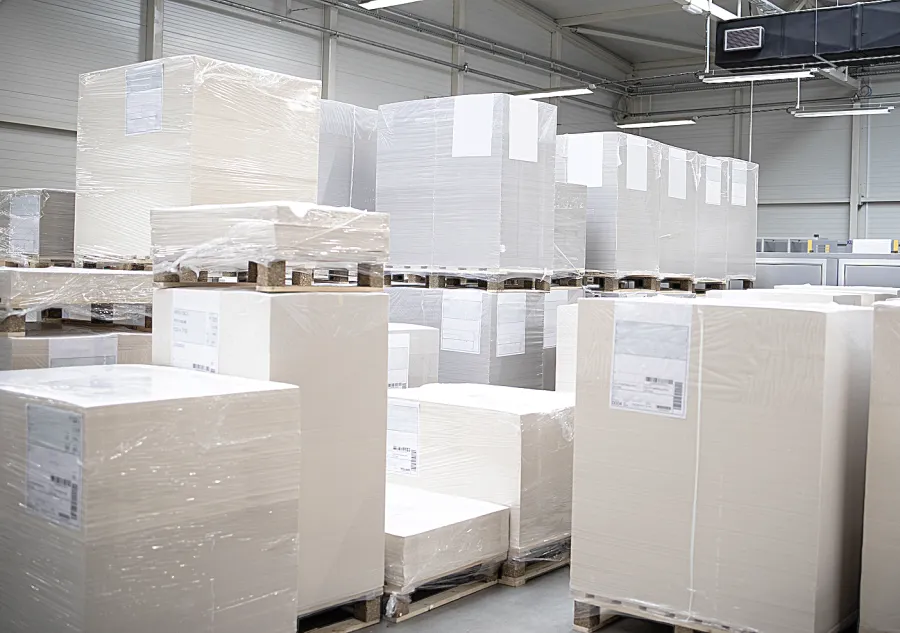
(814, 114)
(698, 7)
(381, 4)
(739, 79)
(560, 92)
(634, 125)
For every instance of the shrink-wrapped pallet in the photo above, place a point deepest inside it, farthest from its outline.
(308, 339)
(720, 463)
(468, 183)
(348, 145)
(503, 445)
(622, 174)
(713, 202)
(570, 228)
(430, 536)
(37, 224)
(413, 355)
(181, 131)
(742, 218)
(125, 504)
(680, 175)
(494, 338)
(61, 348)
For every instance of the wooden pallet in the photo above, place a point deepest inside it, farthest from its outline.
(598, 614)
(52, 319)
(516, 572)
(710, 285)
(612, 283)
(343, 618)
(745, 284)
(401, 607)
(677, 284)
(141, 265)
(37, 262)
(447, 281)
(567, 281)
(272, 278)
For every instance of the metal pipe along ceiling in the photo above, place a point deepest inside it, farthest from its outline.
(426, 58)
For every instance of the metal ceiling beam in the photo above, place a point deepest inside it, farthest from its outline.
(329, 53)
(639, 39)
(542, 19)
(610, 16)
(841, 76)
(458, 52)
(152, 28)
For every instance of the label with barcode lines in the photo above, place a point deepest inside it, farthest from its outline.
(403, 437)
(54, 466)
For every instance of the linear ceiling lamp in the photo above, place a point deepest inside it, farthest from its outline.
(803, 113)
(381, 4)
(557, 92)
(738, 79)
(702, 7)
(634, 125)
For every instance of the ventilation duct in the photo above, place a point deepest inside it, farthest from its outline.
(841, 35)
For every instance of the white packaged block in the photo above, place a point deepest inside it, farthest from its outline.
(413, 355)
(334, 346)
(570, 228)
(553, 300)
(430, 535)
(135, 348)
(37, 223)
(679, 180)
(879, 609)
(743, 205)
(184, 131)
(62, 348)
(348, 145)
(621, 173)
(730, 440)
(566, 348)
(713, 203)
(468, 182)
(503, 445)
(494, 338)
(223, 237)
(124, 496)
(808, 294)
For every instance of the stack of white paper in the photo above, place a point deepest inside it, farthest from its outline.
(131, 499)
(347, 155)
(37, 223)
(553, 301)
(413, 355)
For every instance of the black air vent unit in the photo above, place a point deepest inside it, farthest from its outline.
(867, 31)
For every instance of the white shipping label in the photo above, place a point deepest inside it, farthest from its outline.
(552, 301)
(195, 331)
(523, 129)
(461, 321)
(78, 351)
(651, 356)
(636, 163)
(144, 99)
(584, 164)
(54, 469)
(398, 360)
(511, 313)
(473, 125)
(713, 181)
(677, 173)
(739, 183)
(25, 224)
(403, 437)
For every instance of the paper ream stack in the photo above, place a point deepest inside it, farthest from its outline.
(124, 496)
(182, 131)
(413, 355)
(343, 409)
(503, 445)
(348, 145)
(553, 301)
(680, 402)
(37, 224)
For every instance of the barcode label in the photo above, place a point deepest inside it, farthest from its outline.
(403, 437)
(54, 469)
(195, 331)
(651, 351)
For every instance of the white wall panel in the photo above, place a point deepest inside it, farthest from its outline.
(370, 77)
(574, 118)
(713, 136)
(882, 136)
(35, 157)
(46, 44)
(195, 28)
(803, 220)
(882, 220)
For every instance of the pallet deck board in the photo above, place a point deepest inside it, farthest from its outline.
(445, 597)
(593, 615)
(518, 571)
(347, 617)
(272, 278)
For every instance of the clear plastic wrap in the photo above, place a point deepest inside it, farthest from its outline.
(435, 541)
(348, 145)
(69, 347)
(37, 225)
(553, 300)
(86, 294)
(124, 493)
(502, 445)
(742, 218)
(720, 462)
(879, 610)
(678, 212)
(468, 183)
(267, 337)
(570, 228)
(186, 130)
(225, 237)
(713, 201)
(413, 355)
(492, 338)
(622, 174)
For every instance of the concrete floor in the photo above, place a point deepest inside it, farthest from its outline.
(541, 606)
